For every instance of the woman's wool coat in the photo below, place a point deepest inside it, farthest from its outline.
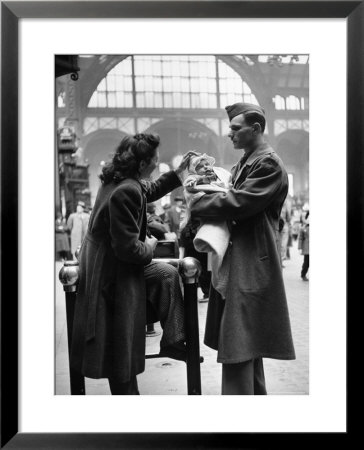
(110, 310)
(253, 321)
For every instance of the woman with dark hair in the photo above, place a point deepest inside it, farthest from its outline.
(117, 276)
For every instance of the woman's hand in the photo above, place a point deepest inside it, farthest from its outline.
(185, 161)
(151, 242)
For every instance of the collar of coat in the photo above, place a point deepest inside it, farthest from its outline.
(263, 149)
(144, 184)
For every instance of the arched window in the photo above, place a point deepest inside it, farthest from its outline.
(232, 87)
(116, 89)
(61, 101)
(293, 102)
(171, 81)
(279, 102)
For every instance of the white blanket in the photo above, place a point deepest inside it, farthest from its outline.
(214, 238)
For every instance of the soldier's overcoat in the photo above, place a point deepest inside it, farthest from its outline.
(110, 310)
(253, 321)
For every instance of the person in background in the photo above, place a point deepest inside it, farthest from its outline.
(289, 242)
(284, 226)
(304, 246)
(62, 240)
(174, 215)
(155, 224)
(253, 322)
(296, 224)
(305, 208)
(164, 215)
(77, 224)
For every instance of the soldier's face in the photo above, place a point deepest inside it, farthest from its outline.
(241, 134)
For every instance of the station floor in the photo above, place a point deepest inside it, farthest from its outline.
(165, 376)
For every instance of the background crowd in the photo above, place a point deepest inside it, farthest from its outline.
(70, 232)
(175, 237)
(294, 227)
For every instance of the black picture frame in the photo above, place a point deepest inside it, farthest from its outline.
(11, 12)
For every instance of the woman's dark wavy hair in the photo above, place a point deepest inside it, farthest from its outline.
(128, 155)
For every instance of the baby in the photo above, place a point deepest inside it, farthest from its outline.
(202, 178)
(201, 172)
(212, 237)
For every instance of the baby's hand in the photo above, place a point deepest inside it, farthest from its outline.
(190, 183)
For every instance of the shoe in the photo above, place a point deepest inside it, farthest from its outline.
(304, 278)
(176, 351)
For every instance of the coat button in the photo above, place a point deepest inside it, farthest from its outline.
(233, 223)
(230, 243)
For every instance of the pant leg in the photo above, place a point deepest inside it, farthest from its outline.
(246, 378)
(128, 388)
(259, 378)
(164, 292)
(305, 265)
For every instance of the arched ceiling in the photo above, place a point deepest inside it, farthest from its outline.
(264, 78)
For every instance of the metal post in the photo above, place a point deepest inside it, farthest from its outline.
(68, 276)
(150, 331)
(190, 270)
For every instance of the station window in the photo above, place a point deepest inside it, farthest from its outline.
(171, 81)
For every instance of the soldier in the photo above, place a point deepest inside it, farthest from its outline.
(252, 322)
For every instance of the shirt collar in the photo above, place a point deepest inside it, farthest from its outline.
(263, 149)
(144, 184)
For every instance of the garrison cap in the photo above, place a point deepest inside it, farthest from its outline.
(242, 108)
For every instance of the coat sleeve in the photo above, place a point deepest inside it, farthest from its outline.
(125, 206)
(254, 195)
(157, 229)
(165, 184)
(70, 222)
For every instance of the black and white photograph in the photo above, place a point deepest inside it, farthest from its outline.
(161, 164)
(182, 223)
